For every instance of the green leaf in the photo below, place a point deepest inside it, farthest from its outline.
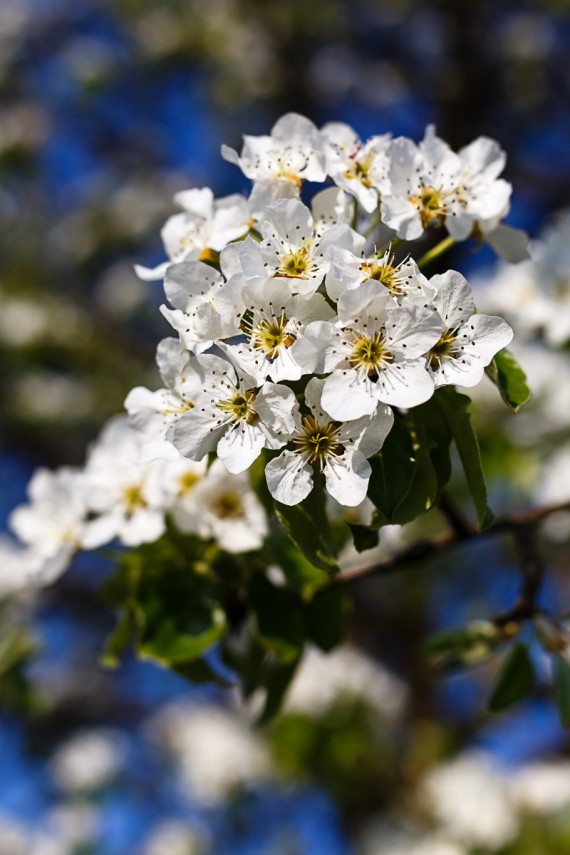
(119, 639)
(327, 617)
(423, 488)
(465, 646)
(277, 682)
(171, 610)
(364, 536)
(510, 379)
(562, 689)
(455, 407)
(404, 483)
(279, 617)
(301, 574)
(392, 471)
(200, 671)
(308, 527)
(178, 638)
(515, 680)
(431, 417)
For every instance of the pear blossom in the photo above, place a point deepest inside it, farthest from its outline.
(279, 163)
(291, 250)
(272, 319)
(374, 350)
(330, 207)
(192, 288)
(215, 749)
(429, 184)
(359, 168)
(339, 451)
(202, 230)
(234, 417)
(221, 506)
(403, 280)
(125, 496)
(53, 523)
(91, 759)
(468, 341)
(155, 413)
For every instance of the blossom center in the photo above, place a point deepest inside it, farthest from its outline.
(360, 170)
(384, 271)
(431, 205)
(318, 441)
(271, 335)
(188, 481)
(227, 505)
(240, 406)
(446, 346)
(370, 353)
(296, 264)
(133, 498)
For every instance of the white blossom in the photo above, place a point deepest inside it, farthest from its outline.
(206, 225)
(280, 162)
(324, 679)
(156, 413)
(192, 288)
(271, 320)
(221, 506)
(52, 524)
(429, 184)
(89, 760)
(215, 750)
(291, 249)
(126, 496)
(359, 168)
(338, 450)
(403, 280)
(470, 797)
(375, 351)
(234, 418)
(468, 341)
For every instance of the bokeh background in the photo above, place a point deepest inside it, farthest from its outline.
(106, 110)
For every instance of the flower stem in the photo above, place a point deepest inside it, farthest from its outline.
(436, 251)
(355, 213)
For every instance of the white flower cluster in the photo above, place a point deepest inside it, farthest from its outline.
(271, 299)
(119, 495)
(295, 334)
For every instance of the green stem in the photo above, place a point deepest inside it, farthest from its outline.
(436, 251)
(355, 213)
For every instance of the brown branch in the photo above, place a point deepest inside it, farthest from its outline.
(515, 523)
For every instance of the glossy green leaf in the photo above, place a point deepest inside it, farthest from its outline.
(327, 617)
(364, 537)
(392, 472)
(455, 407)
(515, 681)
(279, 618)
(300, 573)
(308, 527)
(562, 689)
(510, 379)
(277, 681)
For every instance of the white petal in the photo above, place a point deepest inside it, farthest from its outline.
(197, 433)
(453, 299)
(240, 446)
(289, 478)
(347, 396)
(347, 478)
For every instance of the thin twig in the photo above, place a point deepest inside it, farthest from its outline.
(514, 522)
